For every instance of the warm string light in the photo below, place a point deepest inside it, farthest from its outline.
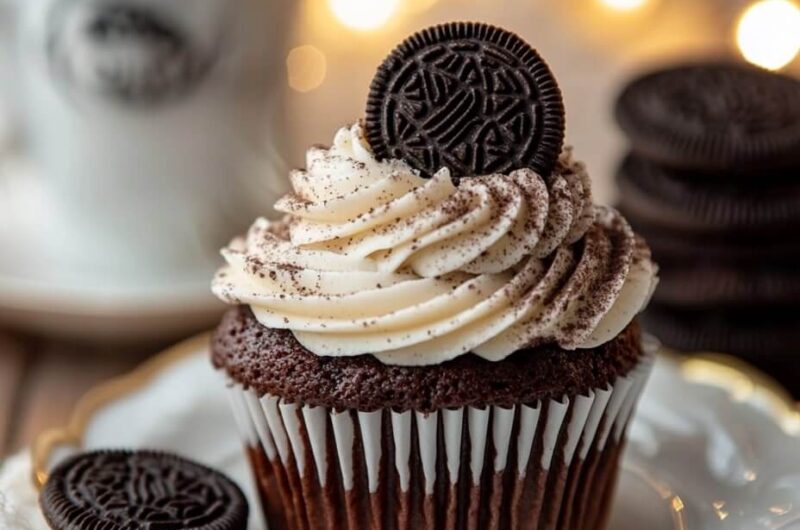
(306, 67)
(378, 19)
(623, 5)
(363, 14)
(768, 33)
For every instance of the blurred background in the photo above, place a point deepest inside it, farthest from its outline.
(138, 136)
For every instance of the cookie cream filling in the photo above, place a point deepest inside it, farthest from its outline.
(372, 258)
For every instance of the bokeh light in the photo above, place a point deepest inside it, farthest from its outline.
(418, 6)
(306, 67)
(623, 5)
(768, 33)
(363, 14)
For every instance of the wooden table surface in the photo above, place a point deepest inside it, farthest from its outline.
(41, 380)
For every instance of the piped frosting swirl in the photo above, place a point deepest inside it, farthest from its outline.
(372, 258)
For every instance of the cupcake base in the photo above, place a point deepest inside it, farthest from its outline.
(550, 466)
(272, 361)
(530, 442)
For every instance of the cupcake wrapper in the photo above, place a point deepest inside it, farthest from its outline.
(548, 466)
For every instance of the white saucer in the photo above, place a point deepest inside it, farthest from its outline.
(40, 293)
(711, 446)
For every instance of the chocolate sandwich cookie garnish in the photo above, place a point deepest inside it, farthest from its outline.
(471, 97)
(716, 117)
(143, 489)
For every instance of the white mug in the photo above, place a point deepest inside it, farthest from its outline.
(156, 125)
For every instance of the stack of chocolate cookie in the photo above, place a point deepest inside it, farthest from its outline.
(712, 181)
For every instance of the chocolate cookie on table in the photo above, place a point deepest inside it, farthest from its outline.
(126, 490)
(697, 285)
(443, 313)
(728, 247)
(719, 243)
(724, 119)
(757, 336)
(688, 202)
(768, 338)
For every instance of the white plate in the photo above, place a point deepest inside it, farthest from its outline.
(711, 446)
(41, 292)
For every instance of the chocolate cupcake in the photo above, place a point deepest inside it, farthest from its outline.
(440, 333)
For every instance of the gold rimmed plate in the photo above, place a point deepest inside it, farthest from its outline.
(714, 444)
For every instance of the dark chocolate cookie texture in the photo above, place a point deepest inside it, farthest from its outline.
(681, 200)
(714, 117)
(128, 490)
(755, 334)
(470, 97)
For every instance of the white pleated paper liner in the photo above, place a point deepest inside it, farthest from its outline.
(550, 465)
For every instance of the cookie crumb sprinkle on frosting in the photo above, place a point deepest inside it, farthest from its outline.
(373, 258)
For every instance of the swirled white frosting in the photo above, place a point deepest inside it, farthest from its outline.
(372, 258)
